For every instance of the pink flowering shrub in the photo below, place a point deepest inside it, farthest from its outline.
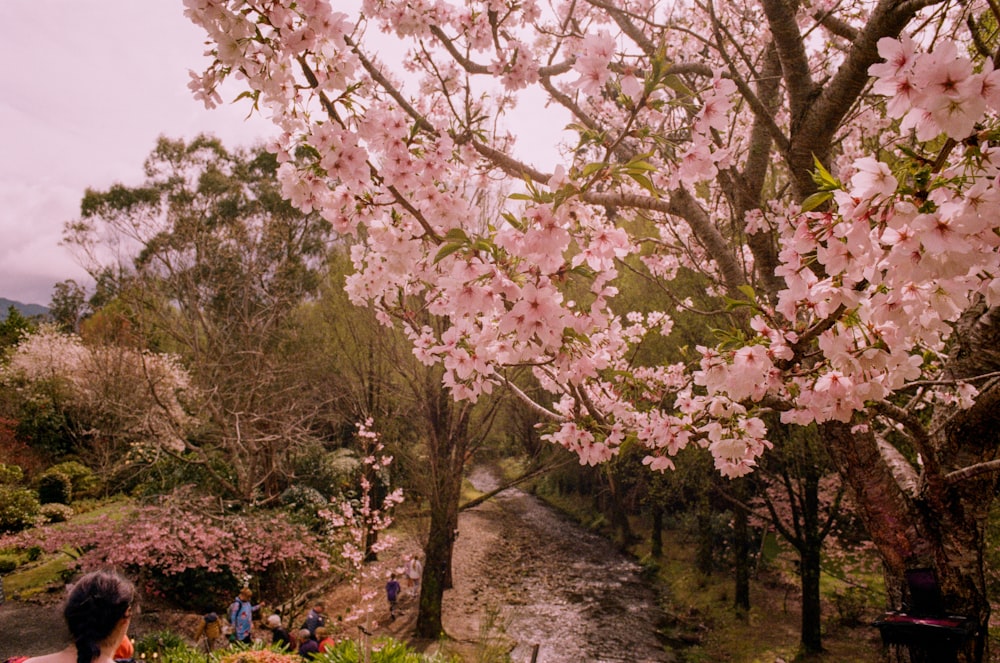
(187, 552)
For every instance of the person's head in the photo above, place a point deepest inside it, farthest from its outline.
(322, 632)
(273, 621)
(318, 608)
(304, 635)
(245, 594)
(95, 609)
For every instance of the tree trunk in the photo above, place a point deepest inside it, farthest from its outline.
(448, 446)
(656, 536)
(741, 561)
(741, 548)
(812, 625)
(940, 527)
(706, 539)
(437, 572)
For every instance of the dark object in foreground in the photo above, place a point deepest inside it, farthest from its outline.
(924, 623)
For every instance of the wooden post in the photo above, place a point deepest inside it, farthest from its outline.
(534, 654)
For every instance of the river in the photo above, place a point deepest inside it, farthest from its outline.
(549, 583)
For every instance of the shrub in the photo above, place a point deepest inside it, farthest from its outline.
(7, 565)
(10, 474)
(18, 508)
(82, 479)
(54, 487)
(851, 605)
(158, 641)
(56, 513)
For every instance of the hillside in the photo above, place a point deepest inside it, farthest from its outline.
(27, 310)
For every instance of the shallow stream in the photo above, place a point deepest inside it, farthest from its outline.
(556, 585)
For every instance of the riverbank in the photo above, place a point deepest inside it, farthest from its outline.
(496, 567)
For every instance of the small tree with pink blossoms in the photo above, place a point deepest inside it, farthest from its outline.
(356, 525)
(184, 550)
(830, 168)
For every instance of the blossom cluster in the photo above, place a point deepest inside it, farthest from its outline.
(869, 288)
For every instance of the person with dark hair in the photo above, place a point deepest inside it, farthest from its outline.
(97, 612)
(315, 618)
(392, 590)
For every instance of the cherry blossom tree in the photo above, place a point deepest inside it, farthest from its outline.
(355, 525)
(828, 168)
(108, 403)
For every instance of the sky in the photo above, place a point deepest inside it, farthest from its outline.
(86, 88)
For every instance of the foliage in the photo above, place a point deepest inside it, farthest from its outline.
(103, 401)
(55, 487)
(258, 656)
(171, 648)
(13, 328)
(10, 474)
(187, 552)
(19, 508)
(209, 262)
(851, 605)
(68, 303)
(157, 642)
(383, 650)
(83, 481)
(55, 512)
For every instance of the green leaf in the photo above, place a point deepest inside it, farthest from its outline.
(446, 250)
(456, 235)
(645, 183)
(592, 168)
(822, 177)
(815, 200)
(748, 291)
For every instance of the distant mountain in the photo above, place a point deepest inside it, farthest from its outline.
(27, 310)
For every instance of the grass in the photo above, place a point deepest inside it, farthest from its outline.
(46, 574)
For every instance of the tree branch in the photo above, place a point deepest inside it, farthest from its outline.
(792, 54)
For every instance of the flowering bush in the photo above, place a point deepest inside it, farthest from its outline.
(96, 394)
(185, 551)
(56, 513)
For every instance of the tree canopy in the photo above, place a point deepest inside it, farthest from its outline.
(830, 168)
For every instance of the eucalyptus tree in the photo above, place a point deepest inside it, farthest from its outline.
(211, 261)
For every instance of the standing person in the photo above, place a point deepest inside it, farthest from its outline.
(97, 611)
(315, 618)
(413, 571)
(210, 629)
(241, 616)
(392, 593)
(279, 636)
